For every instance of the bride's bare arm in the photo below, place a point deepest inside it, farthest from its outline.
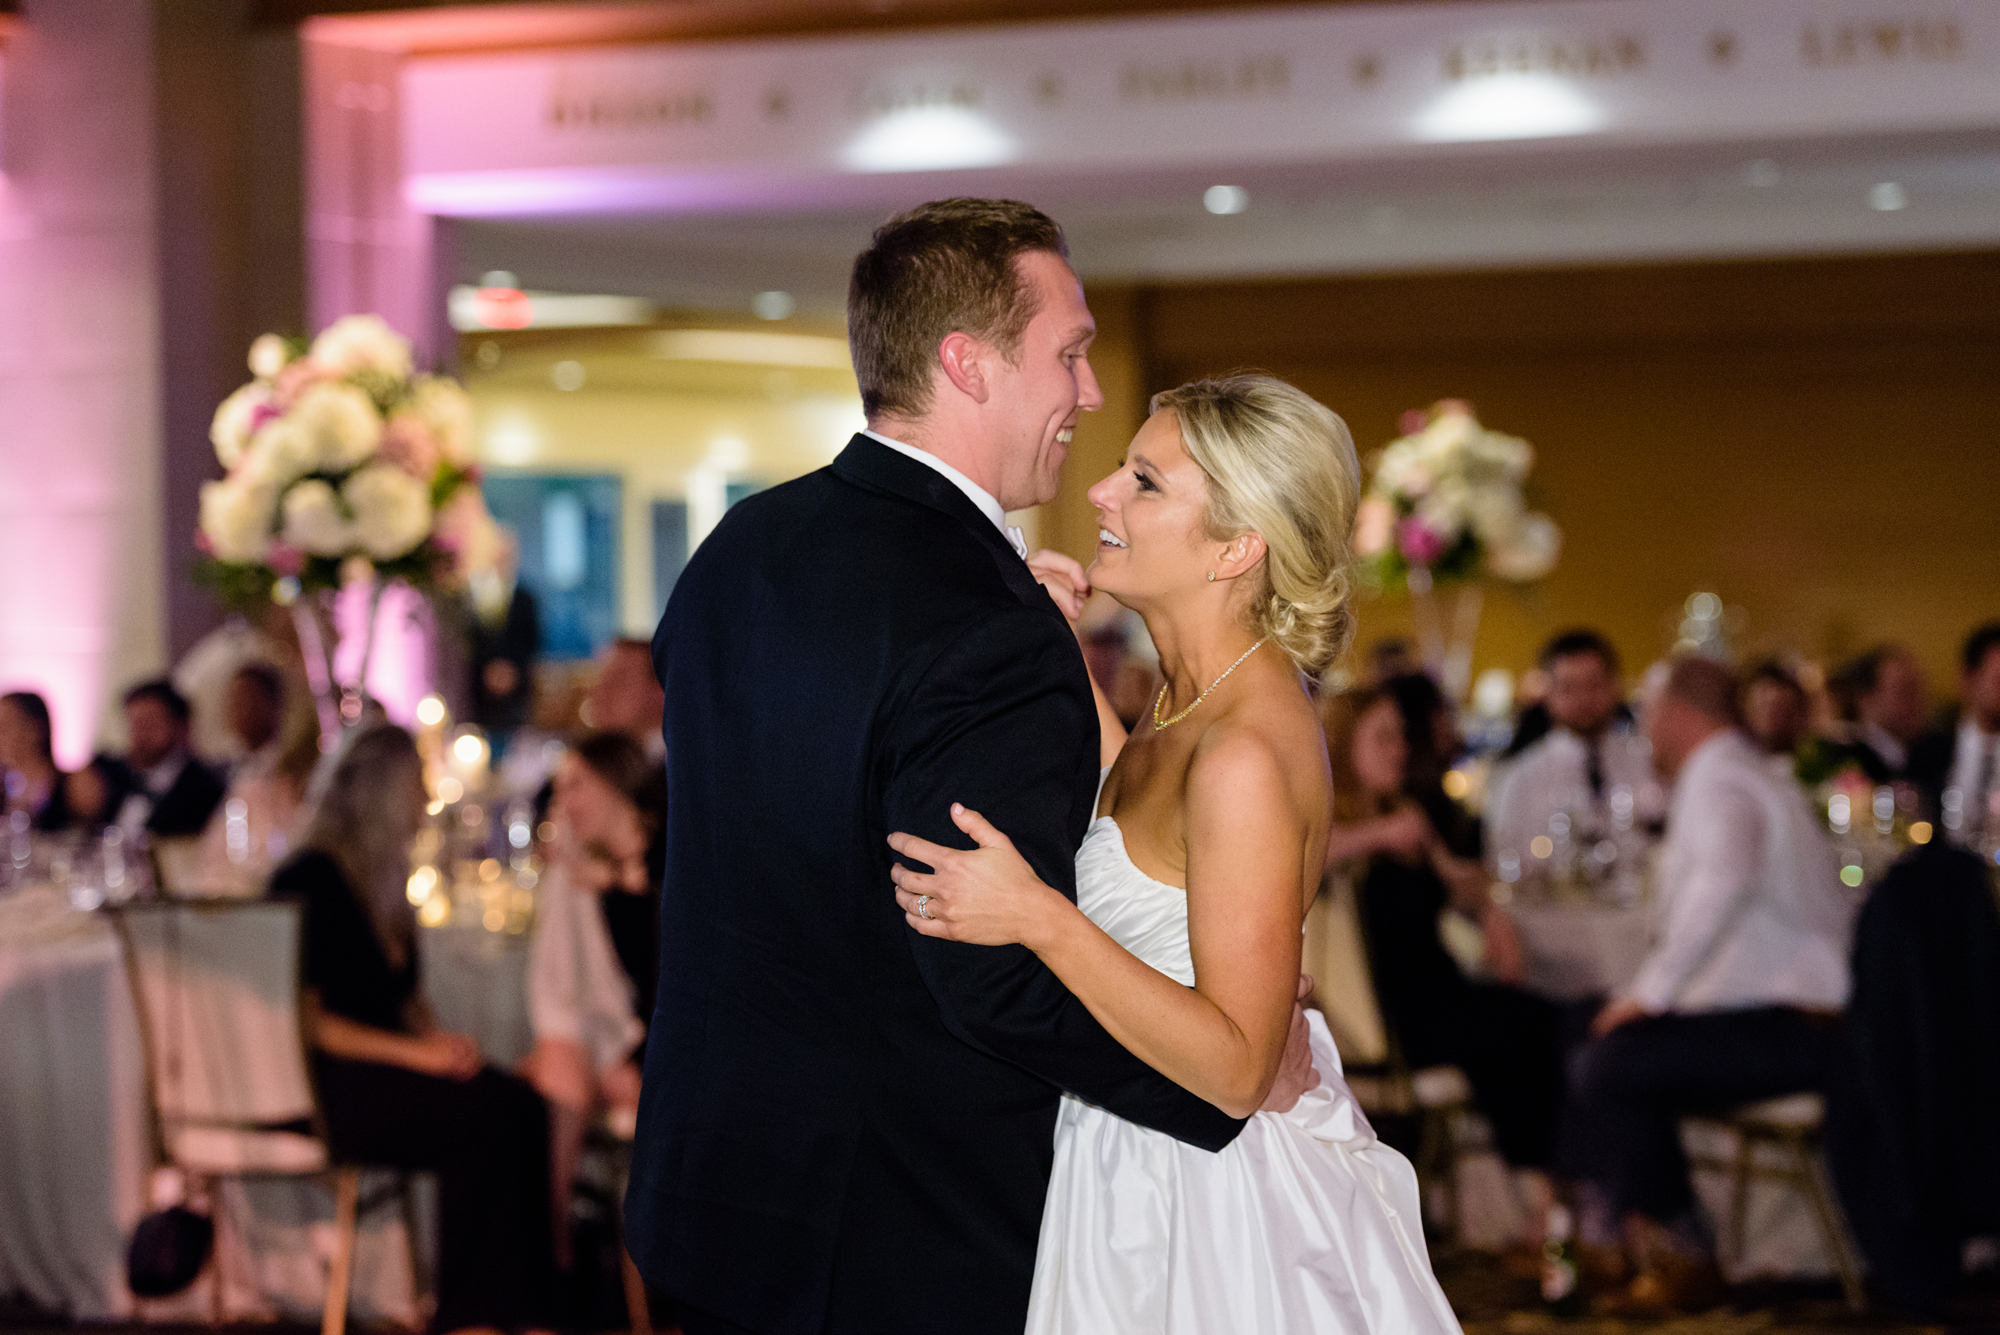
(1222, 1039)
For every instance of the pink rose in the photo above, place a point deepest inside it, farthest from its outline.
(409, 445)
(1420, 545)
(1374, 526)
(1413, 421)
(285, 559)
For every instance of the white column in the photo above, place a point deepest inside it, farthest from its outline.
(81, 591)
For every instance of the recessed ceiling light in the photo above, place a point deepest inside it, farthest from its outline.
(1225, 199)
(1762, 173)
(772, 305)
(1888, 196)
(929, 139)
(1507, 106)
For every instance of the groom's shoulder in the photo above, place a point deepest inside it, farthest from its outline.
(823, 528)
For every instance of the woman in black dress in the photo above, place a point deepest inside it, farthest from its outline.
(1507, 1041)
(29, 778)
(396, 1090)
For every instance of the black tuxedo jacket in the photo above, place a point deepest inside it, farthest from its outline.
(845, 1126)
(186, 807)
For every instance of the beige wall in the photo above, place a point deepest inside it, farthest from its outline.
(668, 430)
(1817, 442)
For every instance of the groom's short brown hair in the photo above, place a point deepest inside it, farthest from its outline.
(941, 268)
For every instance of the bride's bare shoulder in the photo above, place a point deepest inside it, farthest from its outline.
(1267, 746)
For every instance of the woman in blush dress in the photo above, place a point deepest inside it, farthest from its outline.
(1227, 529)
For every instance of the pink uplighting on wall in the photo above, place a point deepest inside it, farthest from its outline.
(80, 600)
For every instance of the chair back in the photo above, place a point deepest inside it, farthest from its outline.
(216, 985)
(1335, 955)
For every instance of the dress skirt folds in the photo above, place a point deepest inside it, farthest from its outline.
(1306, 1223)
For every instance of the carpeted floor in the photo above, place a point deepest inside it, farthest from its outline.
(1487, 1299)
(1491, 1302)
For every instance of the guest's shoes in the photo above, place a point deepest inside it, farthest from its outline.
(1670, 1284)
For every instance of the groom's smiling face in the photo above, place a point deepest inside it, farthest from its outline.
(1048, 382)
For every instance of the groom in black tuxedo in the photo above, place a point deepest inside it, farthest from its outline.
(846, 1127)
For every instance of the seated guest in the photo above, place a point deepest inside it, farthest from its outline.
(243, 843)
(1430, 729)
(1959, 771)
(592, 964)
(395, 1089)
(29, 779)
(158, 786)
(1775, 709)
(1738, 999)
(506, 641)
(1506, 1041)
(626, 697)
(1883, 691)
(1590, 769)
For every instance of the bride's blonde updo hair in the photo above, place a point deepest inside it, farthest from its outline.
(1280, 464)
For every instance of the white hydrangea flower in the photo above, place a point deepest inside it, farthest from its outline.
(340, 424)
(356, 343)
(392, 510)
(232, 427)
(1530, 552)
(279, 454)
(1445, 508)
(313, 519)
(268, 356)
(236, 519)
(443, 406)
(1495, 512)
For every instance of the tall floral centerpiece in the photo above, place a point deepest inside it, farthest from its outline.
(346, 467)
(1444, 507)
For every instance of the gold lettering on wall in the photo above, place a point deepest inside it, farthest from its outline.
(629, 108)
(1250, 77)
(1880, 42)
(881, 99)
(1544, 53)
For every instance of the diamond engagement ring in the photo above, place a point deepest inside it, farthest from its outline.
(924, 908)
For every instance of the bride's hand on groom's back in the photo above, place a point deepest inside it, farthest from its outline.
(984, 896)
(1296, 1072)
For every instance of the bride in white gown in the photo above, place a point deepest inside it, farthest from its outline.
(1227, 528)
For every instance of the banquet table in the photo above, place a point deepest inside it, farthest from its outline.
(1580, 950)
(75, 1154)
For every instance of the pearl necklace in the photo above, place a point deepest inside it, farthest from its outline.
(1161, 725)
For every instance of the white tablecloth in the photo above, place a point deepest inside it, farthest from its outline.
(75, 1153)
(1580, 950)
(74, 1144)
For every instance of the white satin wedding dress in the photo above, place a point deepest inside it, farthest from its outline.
(1306, 1223)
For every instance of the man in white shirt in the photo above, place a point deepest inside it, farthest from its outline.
(1740, 996)
(1590, 779)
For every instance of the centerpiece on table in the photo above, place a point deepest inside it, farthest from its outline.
(1444, 506)
(346, 467)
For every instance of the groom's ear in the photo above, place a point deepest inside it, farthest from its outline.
(965, 360)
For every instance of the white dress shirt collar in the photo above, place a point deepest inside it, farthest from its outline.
(975, 493)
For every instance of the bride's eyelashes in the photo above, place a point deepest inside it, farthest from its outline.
(1145, 483)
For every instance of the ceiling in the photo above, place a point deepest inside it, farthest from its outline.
(1474, 211)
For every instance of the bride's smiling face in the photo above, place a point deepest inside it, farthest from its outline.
(1152, 536)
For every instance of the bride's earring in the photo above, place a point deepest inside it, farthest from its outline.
(1211, 577)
